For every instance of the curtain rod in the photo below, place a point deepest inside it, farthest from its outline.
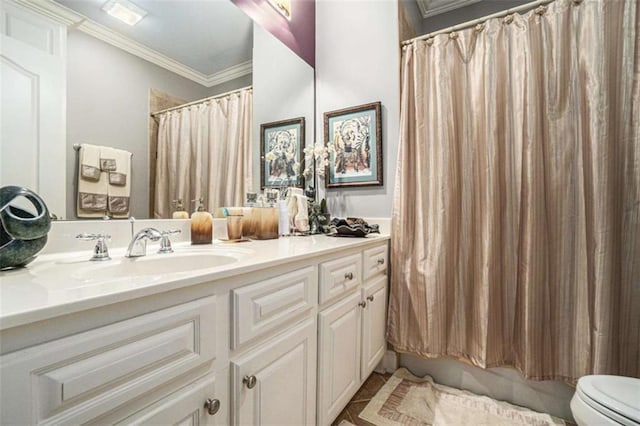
(468, 24)
(200, 101)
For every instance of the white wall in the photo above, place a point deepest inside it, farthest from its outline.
(108, 104)
(357, 62)
(282, 89)
(228, 86)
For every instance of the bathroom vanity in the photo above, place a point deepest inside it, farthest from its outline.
(267, 332)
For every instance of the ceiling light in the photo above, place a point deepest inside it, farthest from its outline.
(125, 11)
(283, 7)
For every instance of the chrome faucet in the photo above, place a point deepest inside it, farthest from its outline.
(138, 245)
(100, 251)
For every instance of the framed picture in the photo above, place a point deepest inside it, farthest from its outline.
(281, 147)
(353, 138)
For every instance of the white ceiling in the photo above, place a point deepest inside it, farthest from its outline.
(205, 35)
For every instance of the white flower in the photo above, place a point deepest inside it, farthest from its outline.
(270, 156)
(319, 150)
(308, 150)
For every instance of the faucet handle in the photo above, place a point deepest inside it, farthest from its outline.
(100, 251)
(87, 236)
(165, 242)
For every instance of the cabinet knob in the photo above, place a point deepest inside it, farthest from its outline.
(370, 298)
(380, 261)
(363, 304)
(250, 381)
(212, 406)
(348, 276)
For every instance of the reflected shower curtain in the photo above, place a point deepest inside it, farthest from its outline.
(516, 219)
(204, 150)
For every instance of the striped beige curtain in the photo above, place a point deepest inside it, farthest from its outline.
(516, 219)
(204, 150)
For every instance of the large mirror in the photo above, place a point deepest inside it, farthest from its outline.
(117, 75)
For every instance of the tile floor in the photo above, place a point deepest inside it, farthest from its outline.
(360, 400)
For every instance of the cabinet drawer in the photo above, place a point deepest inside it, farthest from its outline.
(267, 305)
(375, 261)
(339, 276)
(80, 377)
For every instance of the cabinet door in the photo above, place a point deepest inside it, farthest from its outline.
(373, 324)
(280, 380)
(186, 406)
(339, 356)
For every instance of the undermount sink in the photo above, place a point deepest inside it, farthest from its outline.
(120, 272)
(153, 265)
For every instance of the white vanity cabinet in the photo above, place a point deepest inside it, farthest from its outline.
(107, 374)
(351, 330)
(284, 344)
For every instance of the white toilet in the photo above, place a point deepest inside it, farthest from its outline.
(606, 400)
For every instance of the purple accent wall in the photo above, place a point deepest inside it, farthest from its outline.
(299, 34)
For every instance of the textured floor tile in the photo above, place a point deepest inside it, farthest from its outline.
(344, 415)
(354, 408)
(369, 388)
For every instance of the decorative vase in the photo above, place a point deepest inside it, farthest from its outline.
(22, 234)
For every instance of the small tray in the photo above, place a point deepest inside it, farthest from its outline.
(241, 240)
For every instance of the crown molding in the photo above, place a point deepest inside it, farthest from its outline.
(229, 74)
(74, 20)
(427, 9)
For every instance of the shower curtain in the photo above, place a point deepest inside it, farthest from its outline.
(204, 150)
(516, 217)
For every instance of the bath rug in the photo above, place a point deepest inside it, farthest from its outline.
(408, 400)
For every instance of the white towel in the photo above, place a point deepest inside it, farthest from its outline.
(119, 188)
(92, 193)
(89, 162)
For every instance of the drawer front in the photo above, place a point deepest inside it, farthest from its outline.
(339, 276)
(267, 305)
(77, 378)
(376, 261)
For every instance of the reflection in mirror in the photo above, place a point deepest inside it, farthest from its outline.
(111, 93)
(115, 75)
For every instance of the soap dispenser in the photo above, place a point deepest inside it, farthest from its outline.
(180, 212)
(201, 224)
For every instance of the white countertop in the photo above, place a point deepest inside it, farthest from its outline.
(50, 286)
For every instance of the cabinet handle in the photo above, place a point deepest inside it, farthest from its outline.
(212, 406)
(348, 276)
(380, 261)
(363, 304)
(370, 298)
(250, 381)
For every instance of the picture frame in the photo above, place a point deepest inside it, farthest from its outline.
(281, 153)
(353, 138)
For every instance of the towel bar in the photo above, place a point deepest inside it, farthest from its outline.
(76, 147)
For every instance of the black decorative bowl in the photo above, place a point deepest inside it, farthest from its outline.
(22, 234)
(352, 227)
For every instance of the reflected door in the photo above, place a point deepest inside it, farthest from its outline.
(32, 144)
